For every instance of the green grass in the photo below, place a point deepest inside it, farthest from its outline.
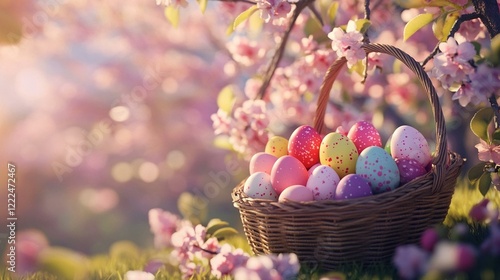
(124, 255)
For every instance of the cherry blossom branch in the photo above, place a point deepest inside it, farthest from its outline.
(205, 250)
(367, 9)
(278, 54)
(463, 18)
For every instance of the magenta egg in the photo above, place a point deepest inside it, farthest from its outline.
(363, 134)
(304, 145)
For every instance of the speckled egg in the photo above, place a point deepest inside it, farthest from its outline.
(352, 186)
(296, 193)
(262, 162)
(258, 185)
(304, 145)
(379, 169)
(277, 146)
(311, 170)
(288, 171)
(363, 134)
(409, 169)
(323, 182)
(408, 142)
(338, 152)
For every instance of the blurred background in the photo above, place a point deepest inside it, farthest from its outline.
(106, 111)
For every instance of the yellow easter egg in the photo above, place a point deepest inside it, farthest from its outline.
(277, 146)
(338, 152)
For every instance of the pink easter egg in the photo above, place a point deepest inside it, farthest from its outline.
(323, 182)
(262, 162)
(311, 170)
(408, 142)
(296, 193)
(409, 169)
(363, 134)
(352, 186)
(288, 171)
(304, 145)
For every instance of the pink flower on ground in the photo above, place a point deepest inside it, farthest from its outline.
(29, 245)
(452, 257)
(138, 275)
(429, 239)
(257, 268)
(273, 9)
(163, 224)
(348, 43)
(410, 261)
(488, 152)
(227, 260)
(287, 265)
(174, 3)
(485, 211)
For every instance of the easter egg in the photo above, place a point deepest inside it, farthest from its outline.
(408, 142)
(352, 186)
(322, 182)
(338, 152)
(304, 145)
(409, 169)
(378, 168)
(311, 170)
(277, 146)
(296, 193)
(288, 171)
(258, 185)
(262, 162)
(363, 134)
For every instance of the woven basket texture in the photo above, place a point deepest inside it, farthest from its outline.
(331, 233)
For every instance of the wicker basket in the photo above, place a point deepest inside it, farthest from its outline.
(366, 230)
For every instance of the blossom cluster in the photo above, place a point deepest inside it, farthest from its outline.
(246, 127)
(196, 253)
(454, 67)
(450, 253)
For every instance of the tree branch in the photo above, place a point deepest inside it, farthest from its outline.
(278, 54)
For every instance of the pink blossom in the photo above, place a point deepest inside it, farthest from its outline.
(451, 66)
(29, 245)
(174, 3)
(227, 260)
(488, 152)
(269, 267)
(452, 257)
(163, 224)
(245, 51)
(221, 122)
(486, 211)
(471, 29)
(348, 43)
(138, 275)
(273, 9)
(249, 133)
(429, 239)
(410, 261)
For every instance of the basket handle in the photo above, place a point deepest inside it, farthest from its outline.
(441, 154)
